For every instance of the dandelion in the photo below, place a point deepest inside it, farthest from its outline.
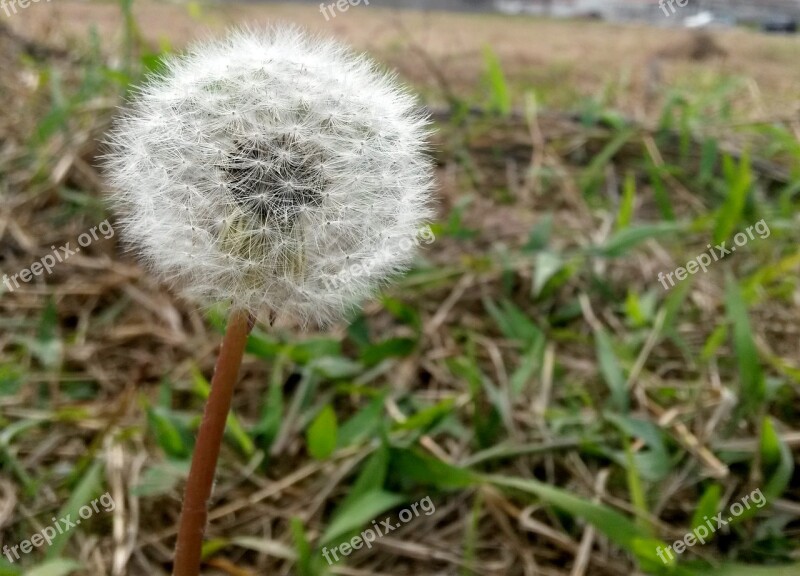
(254, 170)
(258, 167)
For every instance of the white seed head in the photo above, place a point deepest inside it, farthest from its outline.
(256, 169)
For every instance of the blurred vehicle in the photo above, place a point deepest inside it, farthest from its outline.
(779, 25)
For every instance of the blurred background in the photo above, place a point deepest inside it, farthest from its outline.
(556, 375)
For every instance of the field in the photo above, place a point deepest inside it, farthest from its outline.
(597, 356)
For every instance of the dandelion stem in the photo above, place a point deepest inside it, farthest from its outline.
(209, 440)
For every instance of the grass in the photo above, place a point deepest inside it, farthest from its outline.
(563, 411)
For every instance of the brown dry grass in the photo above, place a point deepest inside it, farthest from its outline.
(127, 335)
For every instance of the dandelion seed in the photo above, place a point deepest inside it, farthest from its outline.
(271, 131)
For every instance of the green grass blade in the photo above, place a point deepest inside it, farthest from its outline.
(615, 526)
(751, 377)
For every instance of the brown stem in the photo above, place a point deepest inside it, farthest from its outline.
(209, 440)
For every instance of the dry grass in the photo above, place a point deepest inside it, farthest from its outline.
(96, 359)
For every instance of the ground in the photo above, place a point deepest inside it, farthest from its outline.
(560, 405)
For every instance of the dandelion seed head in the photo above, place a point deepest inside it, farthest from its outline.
(255, 168)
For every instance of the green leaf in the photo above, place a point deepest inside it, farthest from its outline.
(530, 362)
(472, 537)
(751, 377)
(647, 431)
(358, 331)
(88, 487)
(425, 419)
(321, 434)
(626, 240)
(414, 468)
(269, 423)
(547, 264)
(660, 194)
(611, 371)
(406, 313)
(372, 476)
(267, 347)
(47, 347)
(170, 432)
(486, 419)
(212, 547)
(11, 379)
(7, 569)
(304, 560)
(639, 309)
(499, 94)
(626, 207)
(160, 479)
(717, 338)
(777, 461)
(707, 506)
(263, 346)
(596, 169)
(636, 490)
(672, 307)
(364, 424)
(617, 528)
(313, 349)
(513, 322)
(708, 161)
(337, 367)
(739, 181)
(57, 567)
(540, 234)
(361, 511)
(652, 464)
(365, 499)
(391, 348)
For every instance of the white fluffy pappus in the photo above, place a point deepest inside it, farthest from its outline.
(256, 168)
